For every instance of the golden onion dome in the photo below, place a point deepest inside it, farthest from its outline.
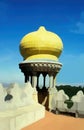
(41, 44)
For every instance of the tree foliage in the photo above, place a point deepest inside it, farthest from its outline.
(70, 90)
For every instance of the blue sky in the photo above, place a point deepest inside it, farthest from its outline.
(65, 18)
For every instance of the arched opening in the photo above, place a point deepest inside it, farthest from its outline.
(47, 81)
(40, 83)
(43, 97)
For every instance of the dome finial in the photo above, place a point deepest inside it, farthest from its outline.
(41, 28)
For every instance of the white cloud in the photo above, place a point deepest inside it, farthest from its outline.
(79, 27)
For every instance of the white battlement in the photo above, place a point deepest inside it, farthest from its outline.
(18, 108)
(61, 102)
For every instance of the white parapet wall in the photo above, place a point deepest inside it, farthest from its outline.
(21, 117)
(17, 107)
(61, 102)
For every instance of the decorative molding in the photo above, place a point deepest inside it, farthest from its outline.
(40, 67)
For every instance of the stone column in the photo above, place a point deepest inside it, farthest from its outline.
(54, 81)
(29, 78)
(38, 81)
(26, 78)
(34, 84)
(34, 81)
(50, 90)
(50, 80)
(44, 76)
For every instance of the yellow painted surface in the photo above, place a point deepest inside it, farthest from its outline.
(41, 44)
(42, 56)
